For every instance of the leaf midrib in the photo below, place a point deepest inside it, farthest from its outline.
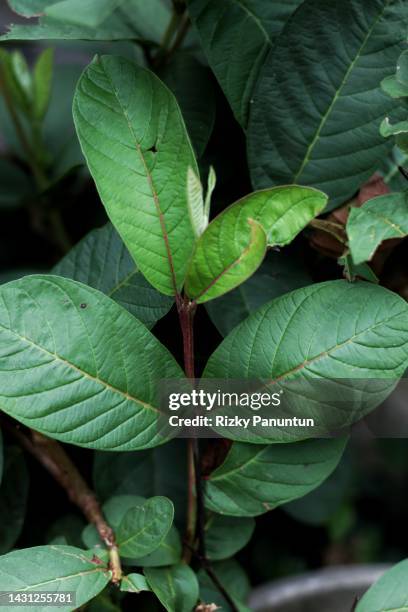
(77, 369)
(337, 95)
(151, 185)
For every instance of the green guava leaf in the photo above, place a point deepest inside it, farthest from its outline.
(314, 121)
(378, 219)
(167, 552)
(225, 257)
(236, 37)
(102, 261)
(279, 273)
(13, 497)
(144, 527)
(328, 338)
(137, 148)
(254, 479)
(131, 21)
(176, 587)
(90, 13)
(30, 8)
(134, 583)
(53, 568)
(390, 592)
(231, 248)
(225, 536)
(78, 367)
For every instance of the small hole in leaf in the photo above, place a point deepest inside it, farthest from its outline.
(84, 306)
(153, 149)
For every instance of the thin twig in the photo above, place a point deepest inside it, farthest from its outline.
(55, 460)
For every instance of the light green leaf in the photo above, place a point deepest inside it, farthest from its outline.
(102, 261)
(42, 83)
(390, 592)
(138, 151)
(62, 346)
(13, 497)
(143, 528)
(192, 84)
(254, 479)
(90, 13)
(378, 219)
(176, 587)
(304, 337)
(279, 273)
(134, 583)
(131, 21)
(315, 121)
(53, 568)
(225, 536)
(321, 505)
(195, 201)
(211, 183)
(236, 37)
(226, 255)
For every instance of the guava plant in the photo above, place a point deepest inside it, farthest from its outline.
(79, 362)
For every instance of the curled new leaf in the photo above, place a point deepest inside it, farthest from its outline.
(226, 255)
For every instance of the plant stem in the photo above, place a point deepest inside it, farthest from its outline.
(195, 502)
(55, 460)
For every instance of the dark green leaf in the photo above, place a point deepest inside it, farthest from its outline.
(234, 580)
(138, 151)
(15, 185)
(176, 587)
(63, 345)
(315, 120)
(192, 84)
(102, 261)
(159, 471)
(13, 498)
(254, 479)
(225, 536)
(236, 37)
